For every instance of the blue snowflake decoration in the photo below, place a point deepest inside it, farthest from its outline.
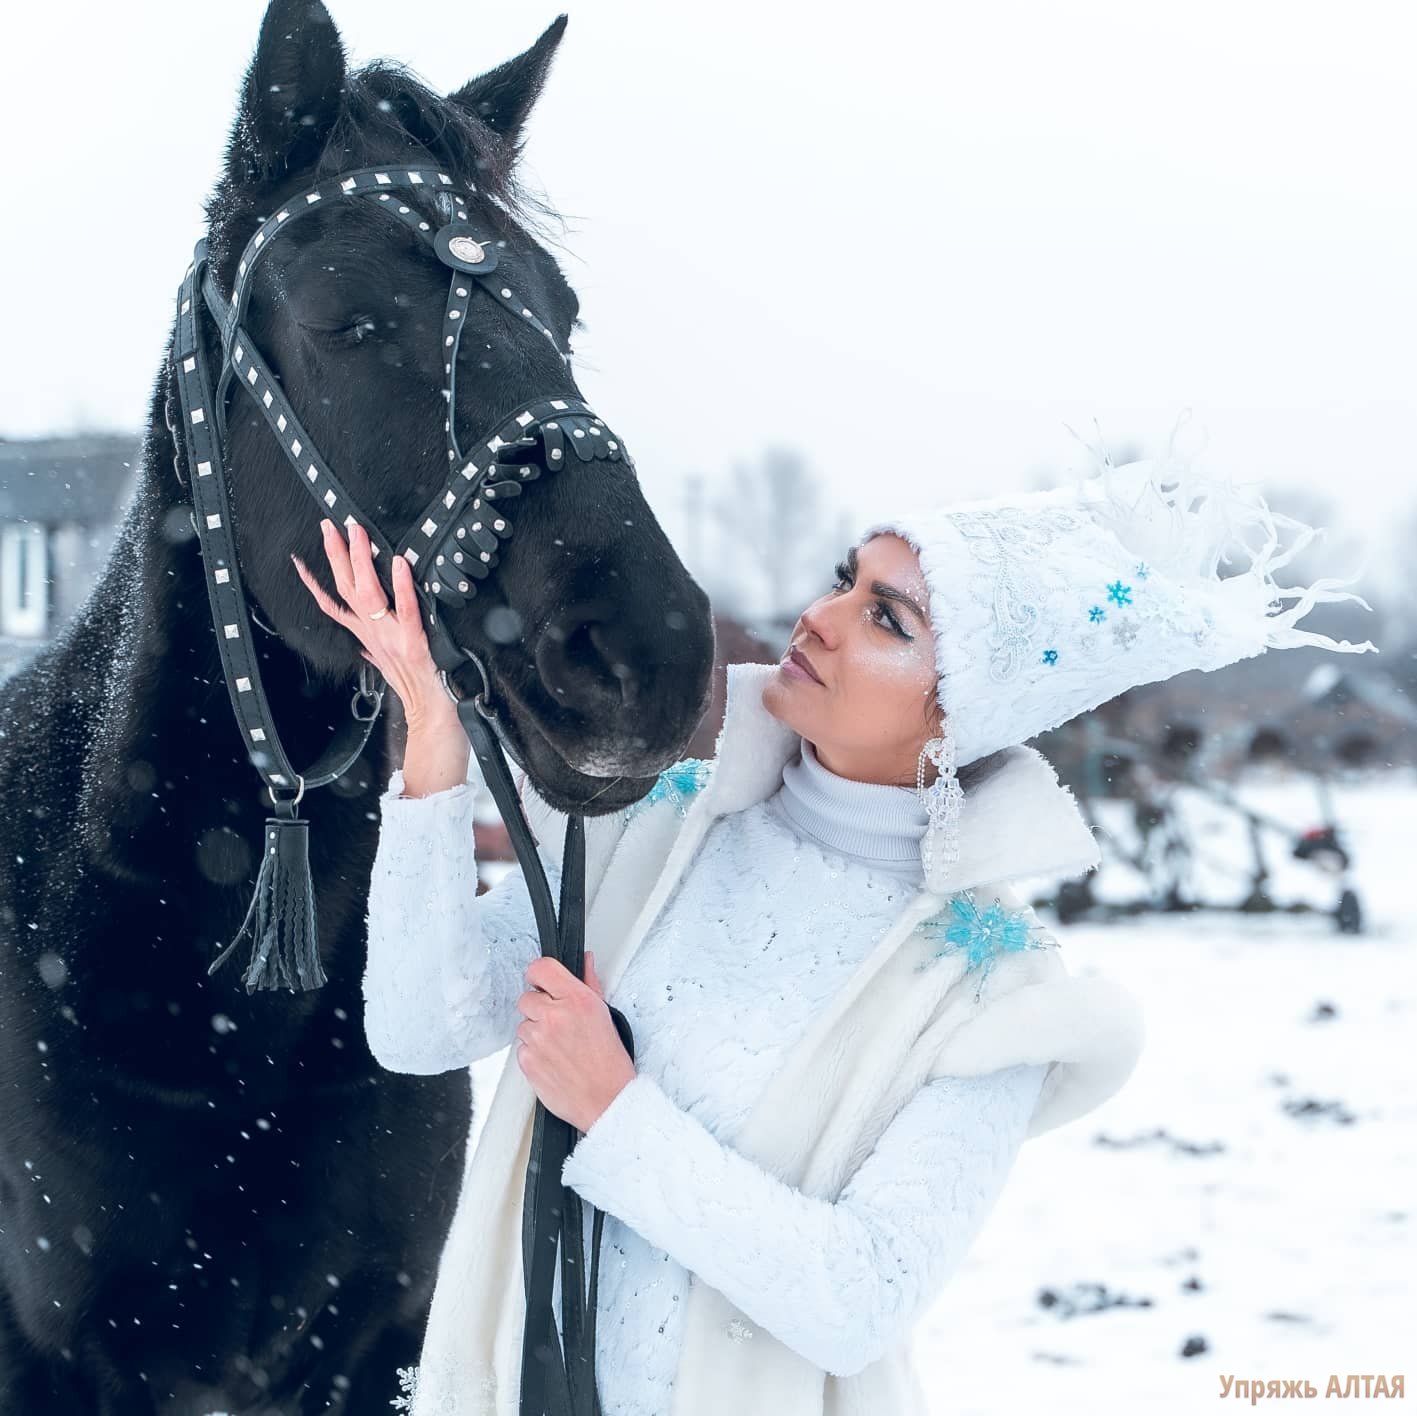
(1097, 614)
(678, 784)
(1142, 571)
(1050, 656)
(1119, 594)
(982, 935)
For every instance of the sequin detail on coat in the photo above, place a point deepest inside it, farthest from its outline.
(982, 935)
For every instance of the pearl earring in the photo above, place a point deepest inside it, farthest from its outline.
(943, 800)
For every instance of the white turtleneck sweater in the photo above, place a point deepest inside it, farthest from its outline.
(780, 904)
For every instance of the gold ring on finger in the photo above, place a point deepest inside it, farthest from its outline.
(379, 614)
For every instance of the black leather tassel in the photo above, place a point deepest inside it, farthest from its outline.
(285, 951)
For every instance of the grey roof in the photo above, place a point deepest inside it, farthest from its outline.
(79, 478)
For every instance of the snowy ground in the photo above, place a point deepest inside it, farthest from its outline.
(1282, 1242)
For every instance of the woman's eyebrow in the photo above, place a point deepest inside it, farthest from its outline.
(888, 592)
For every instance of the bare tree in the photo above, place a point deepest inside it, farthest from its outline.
(777, 540)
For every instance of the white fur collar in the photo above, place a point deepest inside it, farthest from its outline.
(1018, 821)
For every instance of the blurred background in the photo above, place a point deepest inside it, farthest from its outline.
(831, 262)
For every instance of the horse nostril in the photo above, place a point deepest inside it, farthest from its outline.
(582, 661)
(612, 657)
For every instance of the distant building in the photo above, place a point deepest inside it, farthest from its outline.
(60, 502)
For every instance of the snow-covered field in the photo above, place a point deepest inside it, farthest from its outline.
(1262, 1215)
(1283, 1242)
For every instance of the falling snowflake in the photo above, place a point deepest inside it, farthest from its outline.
(679, 784)
(1097, 614)
(1050, 656)
(982, 935)
(1142, 571)
(1119, 594)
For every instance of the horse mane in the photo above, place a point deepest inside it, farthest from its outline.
(387, 111)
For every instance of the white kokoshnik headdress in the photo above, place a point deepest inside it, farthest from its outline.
(1045, 605)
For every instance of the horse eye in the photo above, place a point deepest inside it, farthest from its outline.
(362, 328)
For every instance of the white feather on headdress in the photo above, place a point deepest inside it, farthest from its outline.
(1186, 524)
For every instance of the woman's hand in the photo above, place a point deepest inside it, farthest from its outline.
(568, 1047)
(394, 641)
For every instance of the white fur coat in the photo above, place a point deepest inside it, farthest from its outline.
(890, 1029)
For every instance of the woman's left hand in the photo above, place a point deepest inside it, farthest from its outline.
(568, 1047)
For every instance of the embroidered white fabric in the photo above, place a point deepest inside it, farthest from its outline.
(760, 930)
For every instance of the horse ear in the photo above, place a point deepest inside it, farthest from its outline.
(503, 97)
(291, 95)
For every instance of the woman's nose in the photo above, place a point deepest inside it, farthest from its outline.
(817, 619)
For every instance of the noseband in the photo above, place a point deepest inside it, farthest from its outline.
(452, 545)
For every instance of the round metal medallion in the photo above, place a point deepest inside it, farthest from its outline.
(466, 249)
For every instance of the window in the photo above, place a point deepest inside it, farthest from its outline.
(24, 580)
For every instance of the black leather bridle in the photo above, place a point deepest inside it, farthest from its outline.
(452, 545)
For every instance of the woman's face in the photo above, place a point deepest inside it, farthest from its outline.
(871, 705)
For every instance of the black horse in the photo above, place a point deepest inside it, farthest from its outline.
(214, 1201)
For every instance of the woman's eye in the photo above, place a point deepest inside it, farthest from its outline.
(890, 621)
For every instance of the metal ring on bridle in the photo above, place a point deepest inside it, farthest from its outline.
(293, 801)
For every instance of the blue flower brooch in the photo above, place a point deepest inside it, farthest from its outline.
(679, 784)
(981, 935)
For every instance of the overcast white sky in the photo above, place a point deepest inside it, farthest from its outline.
(943, 230)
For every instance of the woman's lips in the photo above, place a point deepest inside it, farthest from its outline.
(795, 665)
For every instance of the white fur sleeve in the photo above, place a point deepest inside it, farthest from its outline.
(445, 965)
(838, 1282)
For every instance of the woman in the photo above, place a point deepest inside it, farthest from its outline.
(845, 1023)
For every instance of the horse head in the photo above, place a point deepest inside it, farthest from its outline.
(597, 643)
